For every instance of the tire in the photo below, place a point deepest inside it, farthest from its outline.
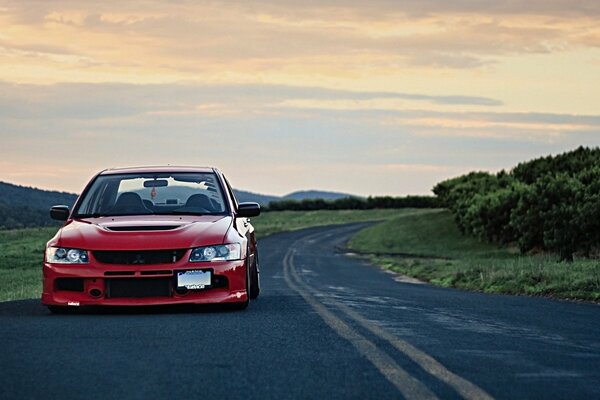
(242, 305)
(254, 278)
(61, 309)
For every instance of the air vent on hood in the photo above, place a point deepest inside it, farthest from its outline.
(142, 228)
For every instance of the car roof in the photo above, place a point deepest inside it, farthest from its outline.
(157, 169)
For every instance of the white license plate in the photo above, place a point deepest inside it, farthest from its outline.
(194, 279)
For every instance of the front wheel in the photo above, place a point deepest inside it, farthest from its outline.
(254, 278)
(242, 305)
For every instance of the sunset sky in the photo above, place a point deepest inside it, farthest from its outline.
(366, 97)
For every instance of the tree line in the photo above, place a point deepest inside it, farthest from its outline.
(548, 204)
(355, 203)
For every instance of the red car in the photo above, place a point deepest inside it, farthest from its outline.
(153, 235)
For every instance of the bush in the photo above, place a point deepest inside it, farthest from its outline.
(548, 204)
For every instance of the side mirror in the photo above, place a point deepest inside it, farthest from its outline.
(247, 210)
(60, 213)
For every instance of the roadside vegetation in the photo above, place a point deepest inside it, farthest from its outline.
(429, 246)
(550, 204)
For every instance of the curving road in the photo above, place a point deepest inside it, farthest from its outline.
(326, 326)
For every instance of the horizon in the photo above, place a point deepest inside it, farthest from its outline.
(301, 190)
(366, 99)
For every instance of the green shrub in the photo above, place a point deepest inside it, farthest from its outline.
(548, 204)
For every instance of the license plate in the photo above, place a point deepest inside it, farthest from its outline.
(194, 279)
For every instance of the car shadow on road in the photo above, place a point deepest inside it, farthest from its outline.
(30, 308)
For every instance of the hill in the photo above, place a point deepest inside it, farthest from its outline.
(316, 194)
(15, 195)
(22, 206)
(262, 199)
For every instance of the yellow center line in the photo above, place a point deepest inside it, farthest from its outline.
(465, 388)
(410, 387)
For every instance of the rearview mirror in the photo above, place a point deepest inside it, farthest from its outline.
(156, 183)
(247, 210)
(60, 213)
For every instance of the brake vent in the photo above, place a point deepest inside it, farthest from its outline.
(142, 228)
(69, 284)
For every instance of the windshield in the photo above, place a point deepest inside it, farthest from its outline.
(147, 193)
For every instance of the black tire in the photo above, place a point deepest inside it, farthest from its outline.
(61, 309)
(254, 278)
(242, 305)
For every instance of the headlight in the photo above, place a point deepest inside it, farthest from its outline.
(60, 255)
(223, 252)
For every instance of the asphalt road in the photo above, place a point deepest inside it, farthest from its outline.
(326, 326)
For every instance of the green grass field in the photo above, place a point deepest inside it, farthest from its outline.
(21, 256)
(280, 221)
(428, 246)
(420, 243)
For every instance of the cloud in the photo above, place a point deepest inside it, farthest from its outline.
(207, 41)
(297, 116)
(100, 111)
(406, 92)
(94, 101)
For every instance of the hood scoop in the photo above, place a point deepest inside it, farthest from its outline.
(142, 228)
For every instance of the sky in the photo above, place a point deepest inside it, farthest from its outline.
(378, 97)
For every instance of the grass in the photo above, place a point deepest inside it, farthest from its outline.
(21, 250)
(21, 256)
(280, 221)
(428, 246)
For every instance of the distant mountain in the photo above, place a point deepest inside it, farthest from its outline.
(262, 199)
(316, 194)
(300, 195)
(15, 195)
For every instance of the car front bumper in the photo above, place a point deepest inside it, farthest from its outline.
(97, 284)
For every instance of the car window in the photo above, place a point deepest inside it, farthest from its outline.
(139, 194)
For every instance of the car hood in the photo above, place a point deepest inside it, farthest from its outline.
(144, 233)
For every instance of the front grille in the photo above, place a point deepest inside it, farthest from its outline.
(138, 287)
(142, 257)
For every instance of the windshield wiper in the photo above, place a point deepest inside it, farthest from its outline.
(96, 215)
(183, 212)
